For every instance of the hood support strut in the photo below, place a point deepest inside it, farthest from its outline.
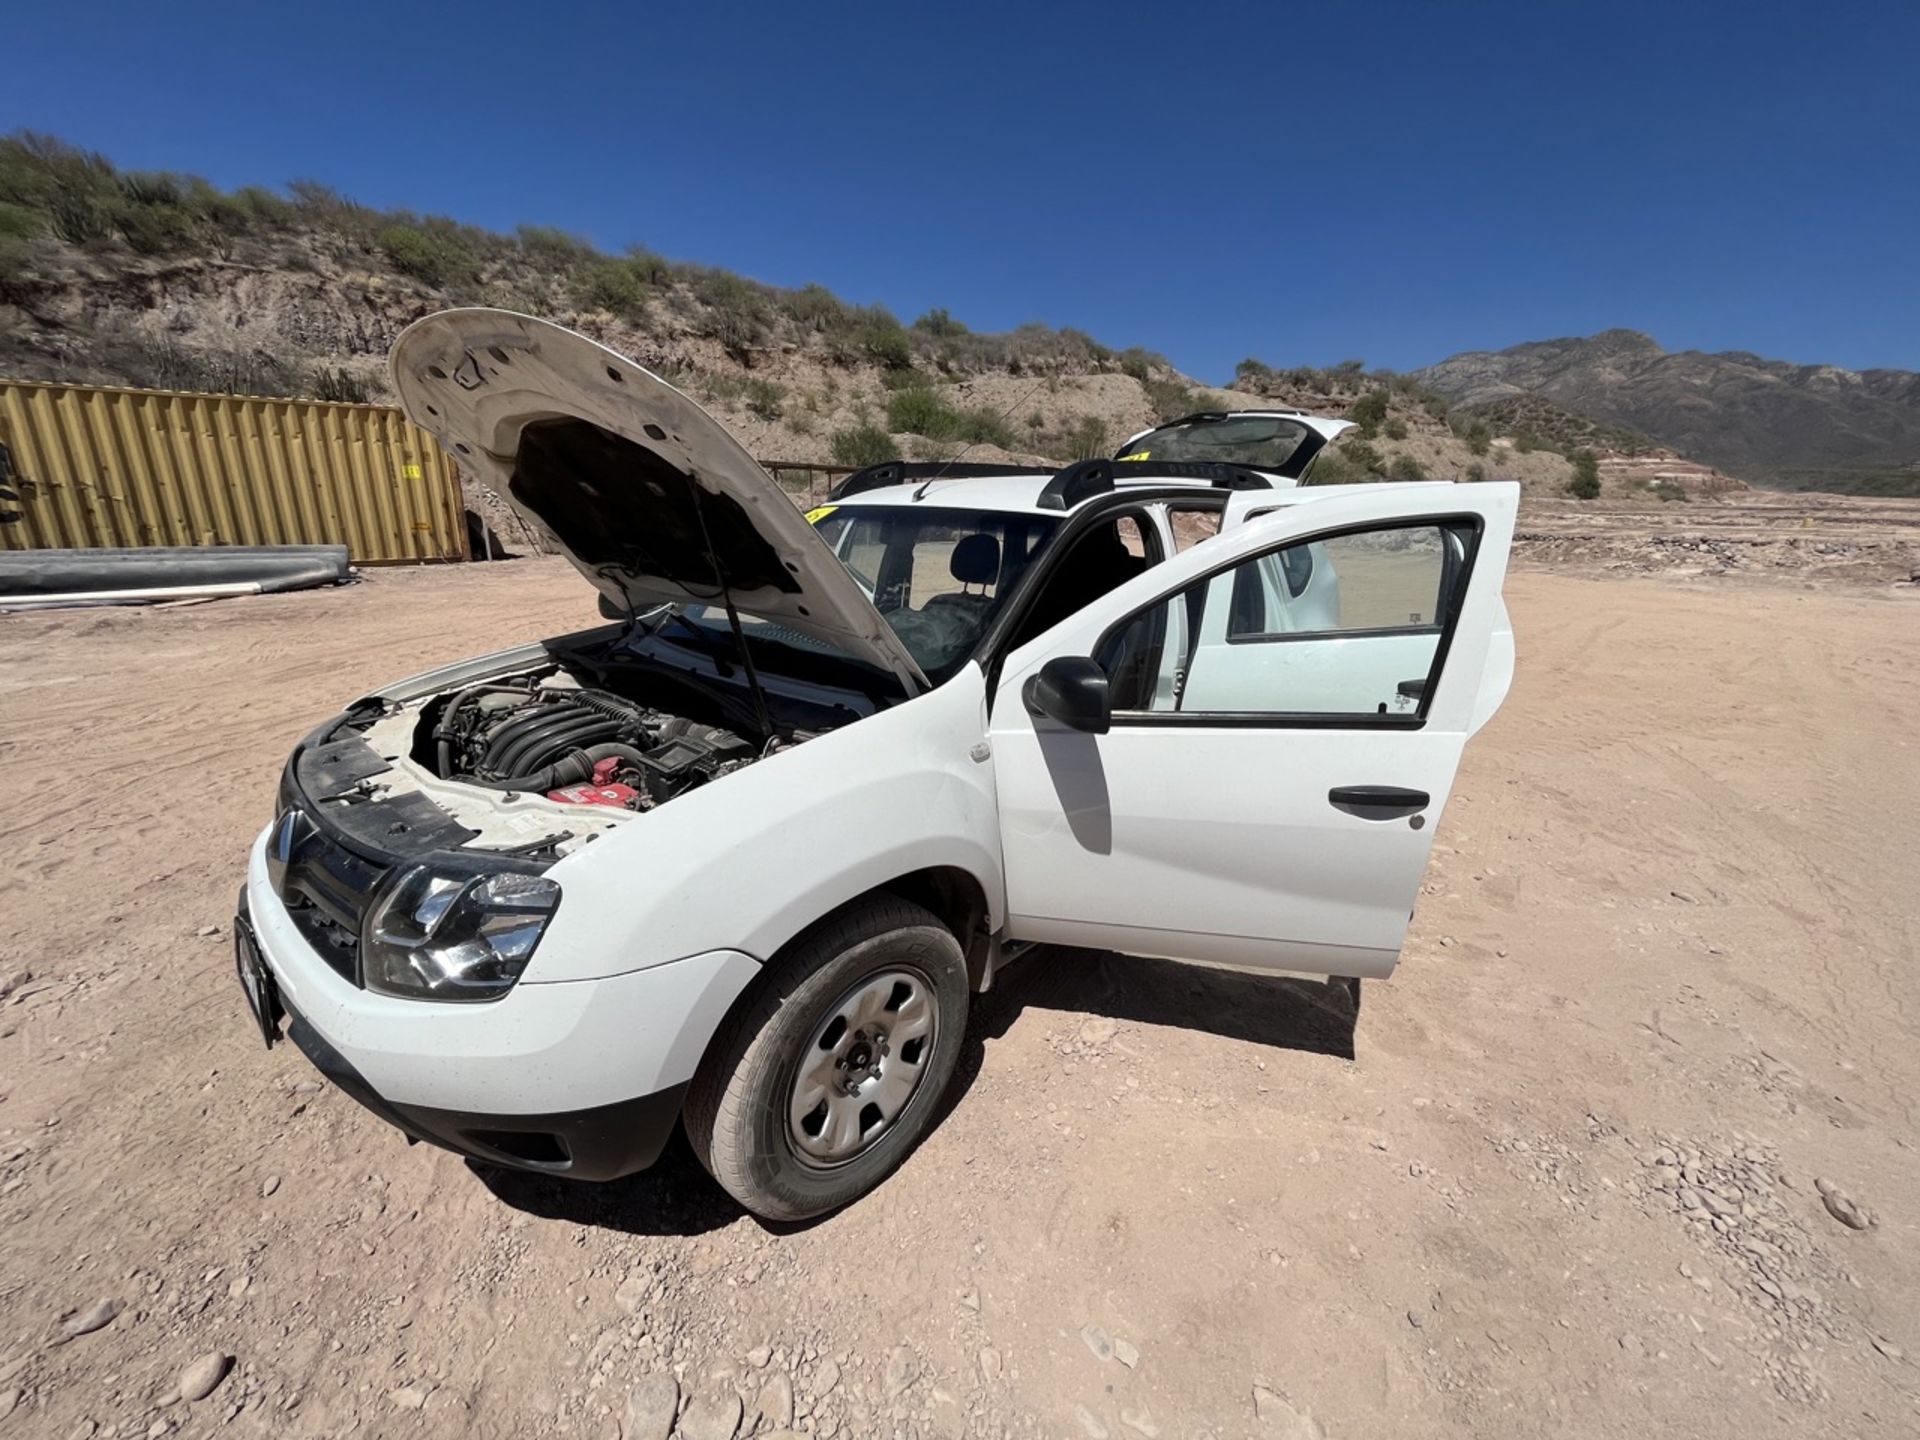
(733, 617)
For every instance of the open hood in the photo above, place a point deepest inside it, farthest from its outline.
(645, 492)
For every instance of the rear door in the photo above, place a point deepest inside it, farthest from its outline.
(1291, 699)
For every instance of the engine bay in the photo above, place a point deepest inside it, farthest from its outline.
(577, 745)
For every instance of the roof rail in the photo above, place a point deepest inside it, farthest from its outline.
(1084, 479)
(898, 472)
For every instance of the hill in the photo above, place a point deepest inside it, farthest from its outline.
(1768, 421)
(149, 279)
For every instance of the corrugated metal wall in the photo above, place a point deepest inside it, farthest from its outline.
(97, 467)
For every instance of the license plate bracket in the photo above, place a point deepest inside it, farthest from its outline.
(256, 981)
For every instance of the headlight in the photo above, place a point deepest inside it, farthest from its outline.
(436, 935)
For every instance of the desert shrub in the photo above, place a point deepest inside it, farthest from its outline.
(1087, 439)
(1357, 448)
(1251, 374)
(323, 207)
(1171, 399)
(1336, 466)
(332, 383)
(862, 445)
(940, 325)
(1671, 490)
(917, 410)
(723, 389)
(17, 222)
(1394, 429)
(981, 425)
(74, 189)
(553, 249)
(765, 398)
(1525, 441)
(21, 230)
(654, 269)
(432, 256)
(1136, 362)
(1476, 471)
(814, 307)
(262, 207)
(152, 216)
(1368, 411)
(737, 310)
(1036, 421)
(1585, 484)
(153, 187)
(1405, 467)
(613, 286)
(1478, 437)
(881, 339)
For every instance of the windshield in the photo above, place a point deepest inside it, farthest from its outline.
(937, 575)
(1266, 442)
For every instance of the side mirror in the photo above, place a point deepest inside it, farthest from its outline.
(1072, 690)
(611, 611)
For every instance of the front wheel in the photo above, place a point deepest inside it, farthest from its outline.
(825, 1081)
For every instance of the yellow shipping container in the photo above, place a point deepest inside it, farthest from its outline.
(102, 467)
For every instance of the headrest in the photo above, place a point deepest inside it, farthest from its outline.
(976, 560)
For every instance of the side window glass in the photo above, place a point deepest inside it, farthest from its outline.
(1191, 526)
(1136, 539)
(1348, 625)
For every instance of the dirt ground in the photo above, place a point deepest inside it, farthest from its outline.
(1557, 1176)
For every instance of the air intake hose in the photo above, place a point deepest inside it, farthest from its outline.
(570, 769)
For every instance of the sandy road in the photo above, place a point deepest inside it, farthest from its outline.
(1673, 906)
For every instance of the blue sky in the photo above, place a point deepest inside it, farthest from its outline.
(1393, 181)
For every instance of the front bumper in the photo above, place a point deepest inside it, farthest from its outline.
(602, 1143)
(581, 1078)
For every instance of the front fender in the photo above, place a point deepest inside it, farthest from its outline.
(750, 860)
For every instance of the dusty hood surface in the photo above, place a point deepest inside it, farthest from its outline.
(645, 492)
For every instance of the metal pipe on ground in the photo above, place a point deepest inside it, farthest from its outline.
(41, 578)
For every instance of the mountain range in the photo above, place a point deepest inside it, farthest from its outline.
(1770, 422)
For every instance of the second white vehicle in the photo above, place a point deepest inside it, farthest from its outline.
(740, 857)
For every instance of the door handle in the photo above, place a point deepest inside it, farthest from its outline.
(1377, 802)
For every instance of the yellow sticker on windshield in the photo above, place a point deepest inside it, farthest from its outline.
(1139, 455)
(819, 513)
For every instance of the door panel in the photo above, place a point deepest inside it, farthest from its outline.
(1215, 836)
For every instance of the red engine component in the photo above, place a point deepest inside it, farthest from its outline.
(624, 796)
(603, 789)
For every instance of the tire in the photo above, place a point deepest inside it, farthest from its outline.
(741, 1110)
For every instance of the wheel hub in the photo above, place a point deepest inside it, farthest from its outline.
(862, 1067)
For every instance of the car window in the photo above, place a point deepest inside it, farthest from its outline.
(1351, 624)
(1100, 558)
(936, 574)
(1266, 442)
(1191, 525)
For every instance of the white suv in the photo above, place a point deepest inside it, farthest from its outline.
(739, 858)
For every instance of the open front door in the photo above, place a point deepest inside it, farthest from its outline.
(1286, 706)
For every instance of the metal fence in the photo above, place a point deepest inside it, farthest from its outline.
(807, 483)
(82, 467)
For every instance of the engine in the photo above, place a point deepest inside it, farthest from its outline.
(579, 746)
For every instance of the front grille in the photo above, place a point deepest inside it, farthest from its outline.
(331, 941)
(326, 888)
